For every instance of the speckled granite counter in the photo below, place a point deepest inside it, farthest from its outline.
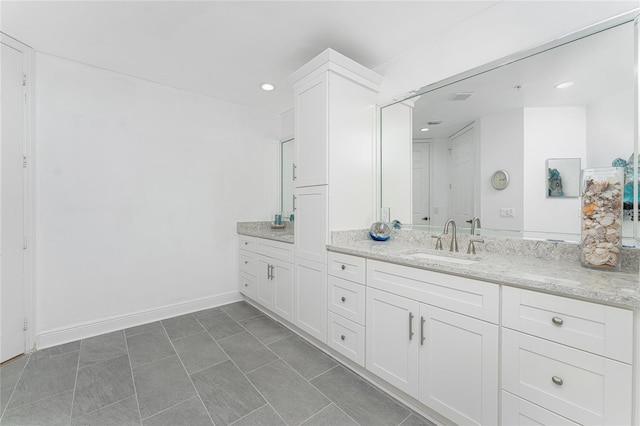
(264, 230)
(540, 265)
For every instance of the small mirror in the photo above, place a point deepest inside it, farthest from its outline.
(563, 177)
(286, 177)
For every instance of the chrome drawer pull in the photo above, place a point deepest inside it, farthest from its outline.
(343, 267)
(557, 380)
(557, 320)
(422, 338)
(246, 243)
(342, 337)
(246, 285)
(246, 262)
(410, 325)
(344, 299)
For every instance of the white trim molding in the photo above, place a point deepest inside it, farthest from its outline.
(59, 336)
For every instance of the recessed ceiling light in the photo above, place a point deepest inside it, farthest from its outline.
(424, 129)
(267, 86)
(564, 85)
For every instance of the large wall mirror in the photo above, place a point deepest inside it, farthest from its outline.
(286, 177)
(441, 145)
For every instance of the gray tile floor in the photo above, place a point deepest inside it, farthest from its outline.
(230, 365)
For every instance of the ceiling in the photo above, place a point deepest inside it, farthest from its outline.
(601, 66)
(225, 49)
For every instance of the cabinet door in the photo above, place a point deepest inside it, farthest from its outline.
(311, 224)
(311, 133)
(265, 284)
(311, 298)
(282, 276)
(392, 339)
(458, 366)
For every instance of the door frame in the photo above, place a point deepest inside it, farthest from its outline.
(29, 189)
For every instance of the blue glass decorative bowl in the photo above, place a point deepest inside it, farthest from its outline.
(380, 231)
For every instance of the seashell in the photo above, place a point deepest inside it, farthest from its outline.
(606, 221)
(597, 259)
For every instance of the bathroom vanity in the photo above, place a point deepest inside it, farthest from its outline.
(492, 338)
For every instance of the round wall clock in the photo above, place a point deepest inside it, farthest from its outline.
(500, 179)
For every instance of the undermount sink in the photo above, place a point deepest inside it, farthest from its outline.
(442, 258)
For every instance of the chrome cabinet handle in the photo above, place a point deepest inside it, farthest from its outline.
(422, 338)
(410, 325)
(273, 272)
(246, 243)
(557, 380)
(557, 320)
(343, 267)
(344, 299)
(246, 285)
(342, 337)
(246, 262)
(294, 202)
(268, 272)
(294, 171)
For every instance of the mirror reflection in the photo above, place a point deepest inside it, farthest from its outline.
(286, 177)
(563, 177)
(440, 149)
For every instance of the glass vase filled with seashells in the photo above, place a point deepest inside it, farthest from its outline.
(602, 218)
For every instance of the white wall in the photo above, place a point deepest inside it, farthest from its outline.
(501, 148)
(558, 132)
(139, 190)
(610, 129)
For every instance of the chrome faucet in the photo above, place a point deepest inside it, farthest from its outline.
(454, 236)
(475, 224)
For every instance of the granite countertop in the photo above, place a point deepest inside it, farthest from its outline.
(556, 271)
(264, 230)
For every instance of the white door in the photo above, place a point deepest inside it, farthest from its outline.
(311, 298)
(462, 175)
(12, 299)
(421, 181)
(310, 224)
(264, 281)
(392, 339)
(311, 133)
(282, 274)
(459, 366)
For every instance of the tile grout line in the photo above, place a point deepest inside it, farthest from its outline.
(4, 410)
(75, 383)
(169, 408)
(195, 389)
(105, 406)
(247, 378)
(235, 422)
(133, 380)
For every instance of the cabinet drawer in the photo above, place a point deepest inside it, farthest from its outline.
(247, 243)
(248, 285)
(275, 249)
(346, 337)
(347, 267)
(347, 299)
(247, 261)
(474, 298)
(600, 329)
(583, 387)
(518, 412)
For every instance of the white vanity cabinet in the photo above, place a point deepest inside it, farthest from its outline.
(571, 358)
(267, 274)
(435, 337)
(247, 266)
(346, 306)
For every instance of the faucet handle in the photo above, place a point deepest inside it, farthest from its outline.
(472, 248)
(438, 241)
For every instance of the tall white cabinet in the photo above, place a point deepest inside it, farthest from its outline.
(334, 177)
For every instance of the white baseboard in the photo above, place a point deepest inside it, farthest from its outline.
(59, 336)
